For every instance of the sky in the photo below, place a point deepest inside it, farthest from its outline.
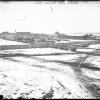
(68, 18)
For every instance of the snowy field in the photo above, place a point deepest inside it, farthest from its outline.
(36, 51)
(76, 41)
(44, 73)
(85, 50)
(8, 42)
(95, 46)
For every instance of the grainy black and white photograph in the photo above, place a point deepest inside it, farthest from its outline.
(49, 50)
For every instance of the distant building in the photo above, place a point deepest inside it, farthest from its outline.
(89, 36)
(26, 37)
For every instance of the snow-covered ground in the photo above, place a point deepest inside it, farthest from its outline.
(36, 51)
(74, 40)
(85, 50)
(90, 48)
(94, 46)
(91, 73)
(8, 42)
(40, 76)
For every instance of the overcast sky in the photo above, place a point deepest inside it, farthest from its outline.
(49, 18)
